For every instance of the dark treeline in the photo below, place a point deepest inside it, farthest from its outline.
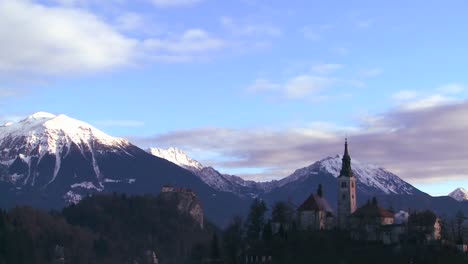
(102, 229)
(262, 235)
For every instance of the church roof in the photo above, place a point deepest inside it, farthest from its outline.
(371, 210)
(346, 170)
(315, 203)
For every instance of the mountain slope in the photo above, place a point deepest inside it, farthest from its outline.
(459, 194)
(209, 175)
(48, 161)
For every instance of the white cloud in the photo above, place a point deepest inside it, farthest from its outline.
(192, 44)
(40, 39)
(405, 95)
(250, 29)
(299, 87)
(372, 72)
(452, 88)
(428, 102)
(305, 85)
(130, 21)
(174, 3)
(326, 68)
(262, 85)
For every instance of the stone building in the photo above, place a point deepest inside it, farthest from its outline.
(346, 191)
(315, 213)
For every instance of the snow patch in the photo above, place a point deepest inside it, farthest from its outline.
(72, 198)
(459, 194)
(176, 156)
(86, 185)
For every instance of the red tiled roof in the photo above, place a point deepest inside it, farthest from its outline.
(315, 203)
(372, 210)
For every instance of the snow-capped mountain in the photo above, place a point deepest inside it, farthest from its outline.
(459, 194)
(212, 177)
(176, 156)
(42, 139)
(51, 160)
(371, 178)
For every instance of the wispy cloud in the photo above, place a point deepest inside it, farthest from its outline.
(417, 100)
(452, 88)
(372, 72)
(421, 145)
(262, 85)
(405, 95)
(304, 86)
(189, 45)
(326, 68)
(250, 28)
(174, 3)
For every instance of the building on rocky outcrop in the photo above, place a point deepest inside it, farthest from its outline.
(187, 202)
(315, 213)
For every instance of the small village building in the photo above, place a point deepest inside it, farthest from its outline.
(315, 213)
(374, 223)
(425, 226)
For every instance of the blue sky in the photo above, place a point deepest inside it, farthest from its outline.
(299, 73)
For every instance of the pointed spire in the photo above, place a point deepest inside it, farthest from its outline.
(319, 190)
(346, 167)
(346, 153)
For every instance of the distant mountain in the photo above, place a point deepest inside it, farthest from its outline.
(459, 194)
(49, 161)
(373, 180)
(212, 177)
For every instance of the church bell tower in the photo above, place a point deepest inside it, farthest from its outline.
(346, 190)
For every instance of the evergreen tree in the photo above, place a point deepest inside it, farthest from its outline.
(215, 253)
(233, 240)
(256, 219)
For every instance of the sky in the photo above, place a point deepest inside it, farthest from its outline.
(254, 88)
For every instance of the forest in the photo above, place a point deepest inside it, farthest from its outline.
(117, 228)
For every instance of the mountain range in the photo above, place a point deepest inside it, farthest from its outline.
(48, 161)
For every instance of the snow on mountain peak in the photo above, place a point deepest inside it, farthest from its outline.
(370, 175)
(459, 194)
(41, 115)
(176, 156)
(52, 133)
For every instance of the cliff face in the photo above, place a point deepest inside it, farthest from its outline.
(186, 200)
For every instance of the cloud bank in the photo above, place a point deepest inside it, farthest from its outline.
(421, 145)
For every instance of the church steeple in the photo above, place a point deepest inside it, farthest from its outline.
(346, 190)
(346, 170)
